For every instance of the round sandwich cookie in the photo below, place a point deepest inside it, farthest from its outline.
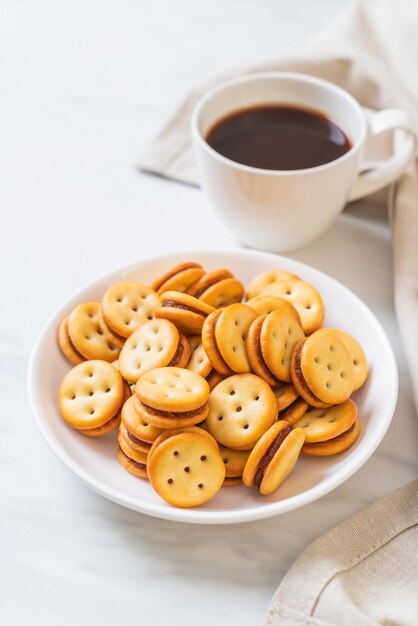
(86, 335)
(127, 305)
(110, 335)
(67, 348)
(90, 394)
(285, 394)
(324, 424)
(179, 278)
(186, 312)
(357, 355)
(157, 343)
(235, 461)
(140, 433)
(255, 356)
(268, 304)
(186, 468)
(304, 297)
(218, 288)
(241, 408)
(230, 334)
(134, 461)
(165, 434)
(267, 279)
(210, 345)
(199, 361)
(279, 335)
(171, 397)
(322, 365)
(294, 411)
(273, 457)
(336, 445)
(113, 423)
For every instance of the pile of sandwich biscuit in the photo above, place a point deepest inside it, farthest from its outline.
(205, 390)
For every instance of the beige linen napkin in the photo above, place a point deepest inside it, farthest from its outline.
(362, 572)
(372, 51)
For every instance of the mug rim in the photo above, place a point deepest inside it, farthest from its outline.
(279, 75)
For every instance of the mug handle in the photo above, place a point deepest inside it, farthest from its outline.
(373, 176)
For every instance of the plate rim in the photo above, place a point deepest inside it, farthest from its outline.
(201, 516)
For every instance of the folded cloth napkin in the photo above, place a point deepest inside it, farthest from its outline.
(362, 572)
(371, 50)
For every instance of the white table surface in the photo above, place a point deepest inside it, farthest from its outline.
(84, 87)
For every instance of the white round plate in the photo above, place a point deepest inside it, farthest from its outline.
(94, 460)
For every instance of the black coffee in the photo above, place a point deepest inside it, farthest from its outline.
(275, 137)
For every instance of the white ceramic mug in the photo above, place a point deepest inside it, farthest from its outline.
(280, 210)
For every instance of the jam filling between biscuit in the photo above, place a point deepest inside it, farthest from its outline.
(299, 374)
(177, 355)
(269, 454)
(174, 414)
(177, 305)
(138, 465)
(215, 344)
(137, 441)
(71, 343)
(289, 410)
(262, 361)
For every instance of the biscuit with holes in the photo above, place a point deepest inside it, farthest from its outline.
(140, 433)
(90, 394)
(137, 468)
(186, 469)
(110, 335)
(179, 278)
(285, 394)
(86, 335)
(187, 429)
(218, 288)
(127, 305)
(304, 297)
(326, 367)
(112, 424)
(299, 381)
(66, 345)
(279, 335)
(231, 333)
(267, 279)
(199, 361)
(186, 312)
(336, 445)
(241, 408)
(268, 304)
(323, 424)
(154, 344)
(357, 355)
(294, 411)
(273, 457)
(235, 461)
(210, 345)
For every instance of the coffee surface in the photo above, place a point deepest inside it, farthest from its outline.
(276, 137)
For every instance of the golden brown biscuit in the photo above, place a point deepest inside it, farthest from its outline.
(199, 361)
(179, 278)
(323, 424)
(214, 379)
(66, 345)
(285, 395)
(336, 445)
(127, 305)
(273, 457)
(231, 333)
(304, 297)
(186, 312)
(235, 461)
(267, 304)
(90, 394)
(241, 408)
(294, 411)
(255, 356)
(154, 344)
(112, 424)
(86, 335)
(210, 345)
(133, 467)
(141, 433)
(357, 355)
(279, 335)
(110, 335)
(267, 279)
(299, 381)
(172, 389)
(186, 469)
